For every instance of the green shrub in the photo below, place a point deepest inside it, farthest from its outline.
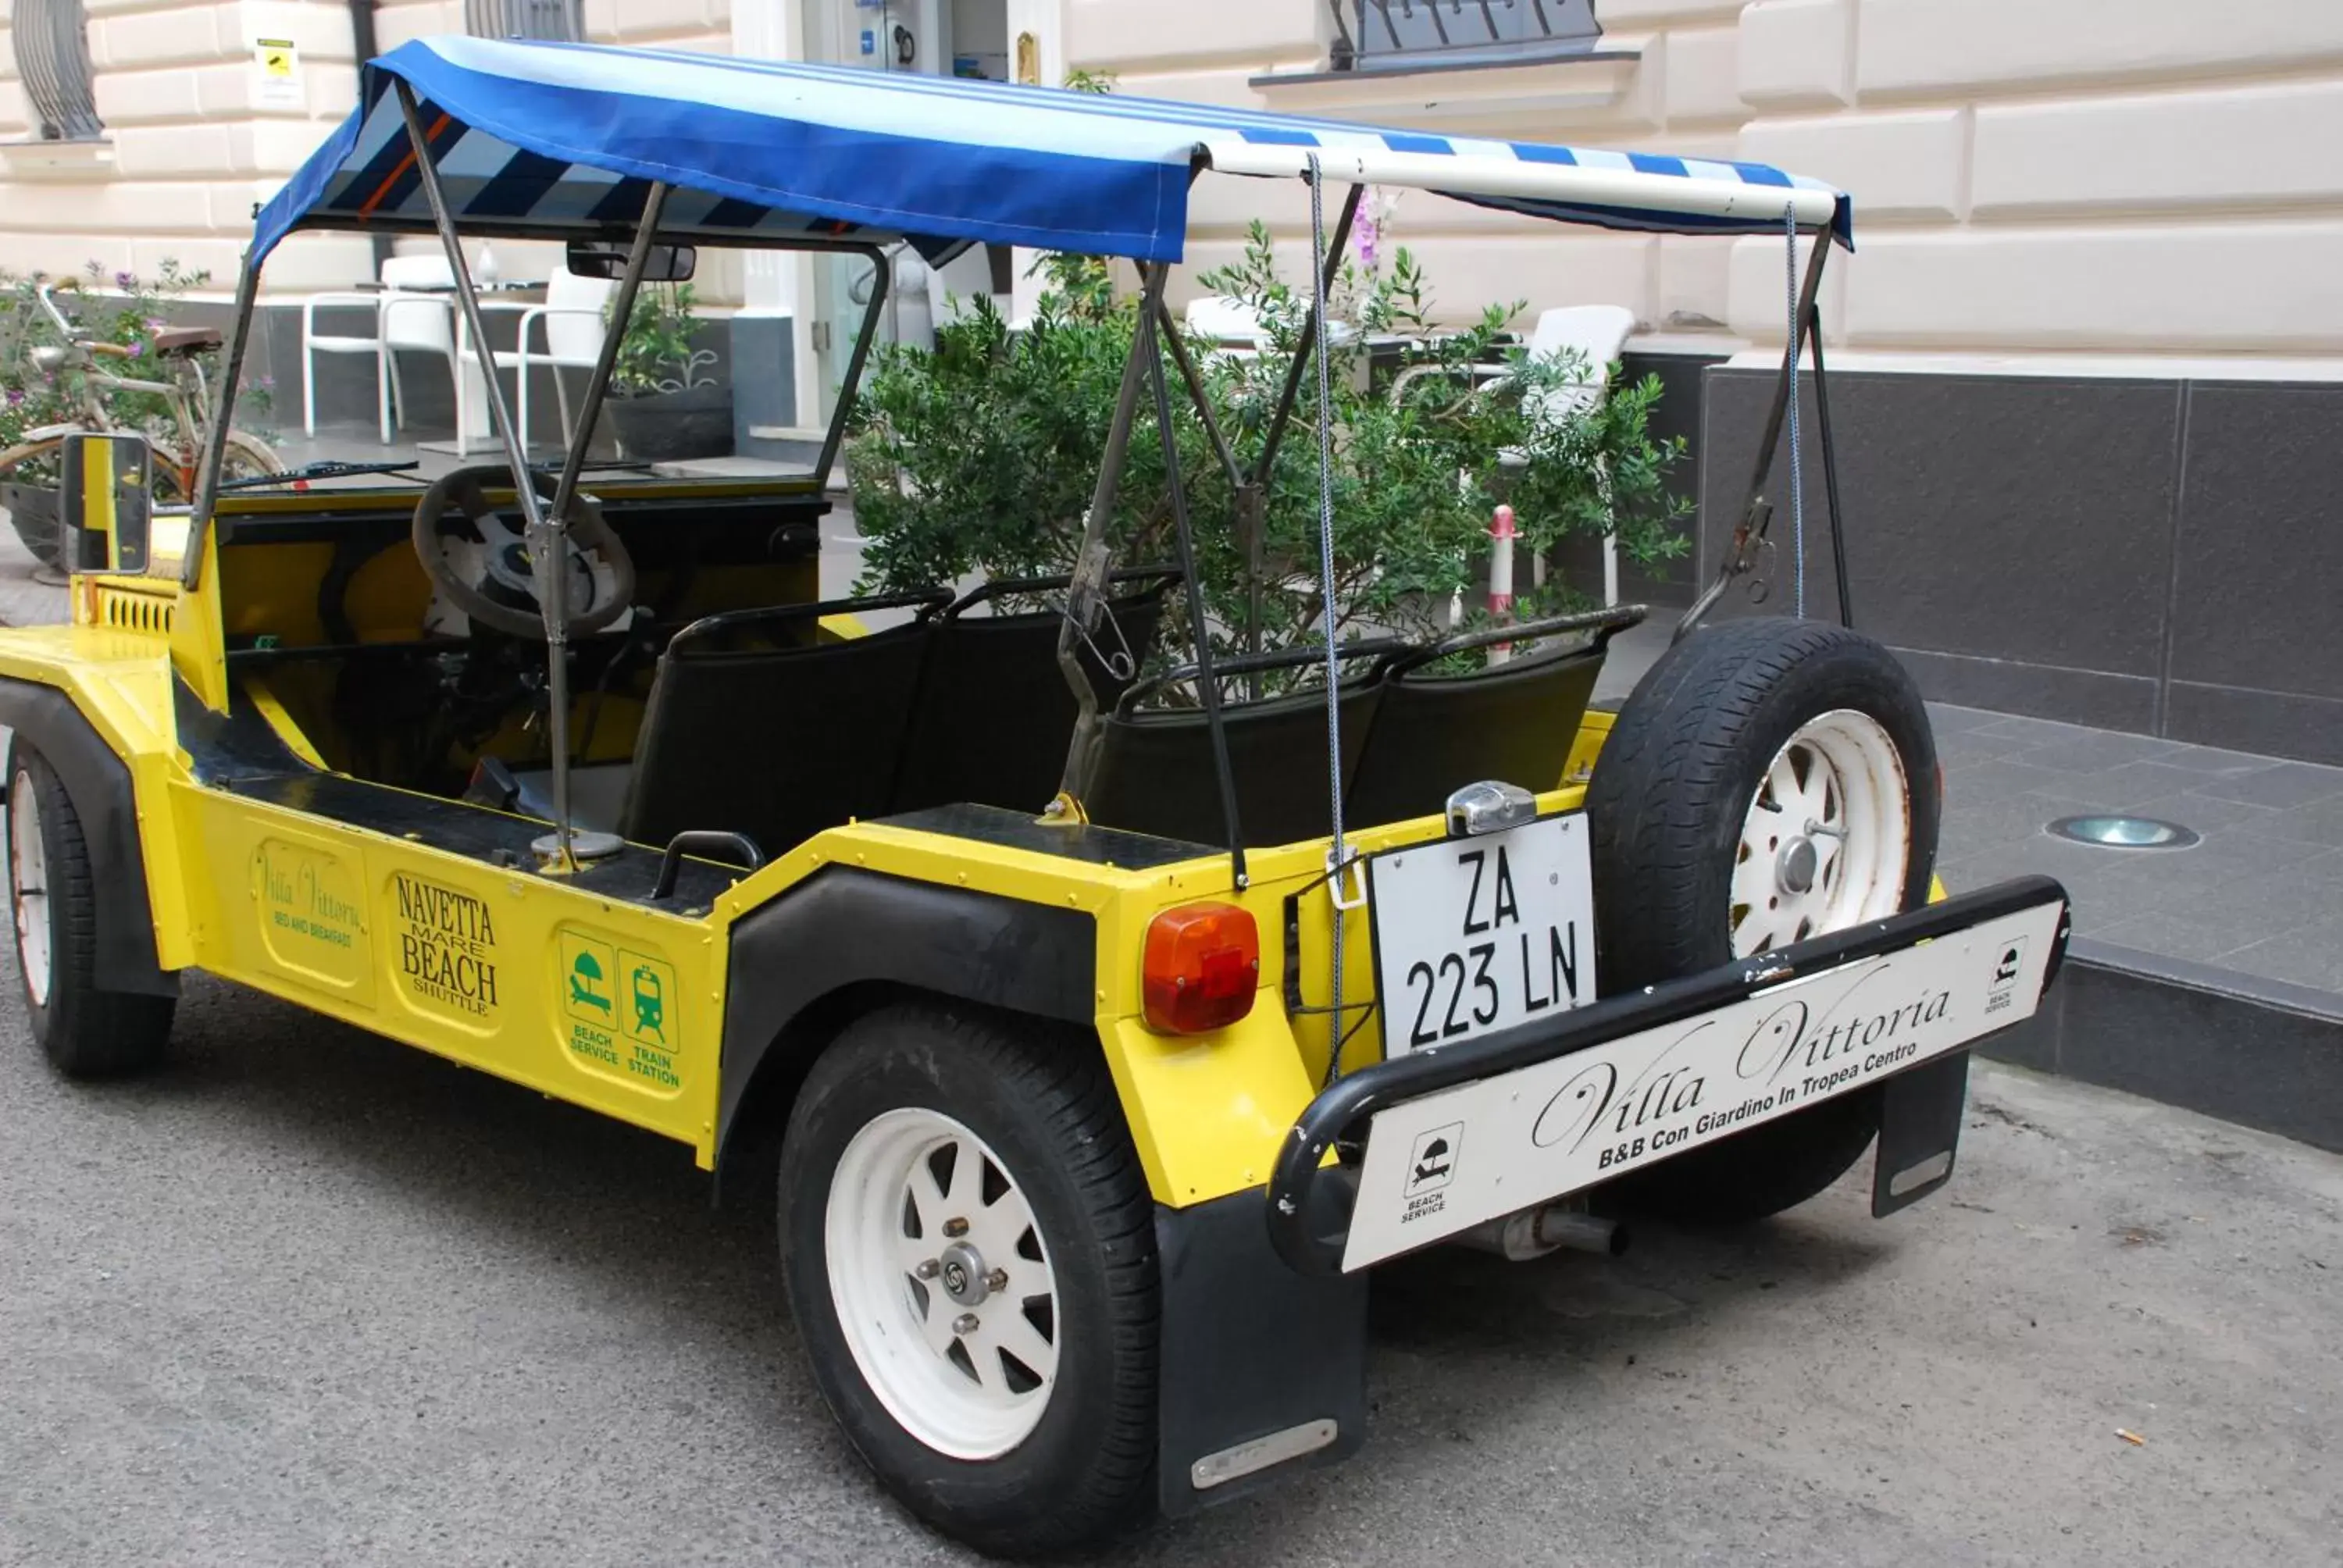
(980, 456)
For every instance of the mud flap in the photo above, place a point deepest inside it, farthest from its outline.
(1919, 1129)
(1264, 1371)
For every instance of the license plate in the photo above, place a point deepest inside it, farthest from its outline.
(1475, 935)
(1446, 1161)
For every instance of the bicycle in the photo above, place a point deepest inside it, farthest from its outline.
(186, 394)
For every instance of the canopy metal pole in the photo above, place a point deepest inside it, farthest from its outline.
(1094, 557)
(622, 312)
(1830, 469)
(1208, 685)
(547, 540)
(882, 289)
(1169, 331)
(1252, 498)
(1756, 511)
(214, 455)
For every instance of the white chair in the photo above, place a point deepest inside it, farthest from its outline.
(954, 287)
(1235, 328)
(405, 320)
(1593, 335)
(571, 317)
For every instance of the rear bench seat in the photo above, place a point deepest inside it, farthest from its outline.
(1410, 736)
(778, 740)
(756, 726)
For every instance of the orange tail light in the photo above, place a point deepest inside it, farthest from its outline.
(1201, 969)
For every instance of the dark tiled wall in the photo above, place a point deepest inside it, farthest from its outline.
(1678, 414)
(2161, 556)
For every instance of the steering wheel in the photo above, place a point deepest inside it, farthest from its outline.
(502, 555)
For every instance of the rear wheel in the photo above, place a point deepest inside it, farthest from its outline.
(86, 1032)
(968, 1250)
(1769, 781)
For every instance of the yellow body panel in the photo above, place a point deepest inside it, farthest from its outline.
(607, 1005)
(618, 1007)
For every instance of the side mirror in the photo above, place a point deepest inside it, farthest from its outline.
(599, 258)
(106, 496)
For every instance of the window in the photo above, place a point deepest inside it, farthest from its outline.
(51, 42)
(1414, 35)
(555, 21)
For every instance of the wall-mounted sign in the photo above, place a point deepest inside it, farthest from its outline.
(276, 76)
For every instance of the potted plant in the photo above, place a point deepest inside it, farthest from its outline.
(662, 407)
(978, 456)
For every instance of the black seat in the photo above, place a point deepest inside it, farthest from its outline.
(1515, 721)
(1155, 770)
(994, 713)
(755, 727)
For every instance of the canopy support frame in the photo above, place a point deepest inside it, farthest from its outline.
(547, 538)
(1252, 495)
(1094, 558)
(214, 455)
(1830, 469)
(1208, 685)
(1749, 536)
(882, 285)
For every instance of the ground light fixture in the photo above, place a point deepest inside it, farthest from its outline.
(2125, 832)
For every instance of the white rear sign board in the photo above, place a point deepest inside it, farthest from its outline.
(1451, 1159)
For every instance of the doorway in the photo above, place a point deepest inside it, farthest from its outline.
(967, 38)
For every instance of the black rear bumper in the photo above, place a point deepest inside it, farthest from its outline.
(1298, 1209)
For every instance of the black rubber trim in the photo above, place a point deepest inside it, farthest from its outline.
(98, 783)
(844, 928)
(1249, 1347)
(1335, 1115)
(1920, 1112)
(478, 833)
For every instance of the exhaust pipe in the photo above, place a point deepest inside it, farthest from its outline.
(1529, 1234)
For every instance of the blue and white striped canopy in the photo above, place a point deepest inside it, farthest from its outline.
(562, 139)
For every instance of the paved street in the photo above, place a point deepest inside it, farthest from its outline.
(309, 1298)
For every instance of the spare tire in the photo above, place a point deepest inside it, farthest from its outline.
(1769, 780)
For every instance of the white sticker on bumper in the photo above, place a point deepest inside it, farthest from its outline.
(1544, 1132)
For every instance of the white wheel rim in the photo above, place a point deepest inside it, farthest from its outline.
(942, 1283)
(1827, 836)
(28, 888)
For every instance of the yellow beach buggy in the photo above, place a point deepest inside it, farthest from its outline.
(1106, 1042)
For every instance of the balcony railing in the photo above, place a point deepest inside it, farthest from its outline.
(554, 21)
(1410, 34)
(52, 46)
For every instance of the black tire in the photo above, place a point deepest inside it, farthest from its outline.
(85, 1031)
(1041, 1099)
(33, 512)
(1671, 789)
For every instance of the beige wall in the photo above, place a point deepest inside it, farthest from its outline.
(2079, 177)
(2083, 178)
(187, 154)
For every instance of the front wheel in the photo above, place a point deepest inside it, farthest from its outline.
(1769, 781)
(85, 1031)
(968, 1247)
